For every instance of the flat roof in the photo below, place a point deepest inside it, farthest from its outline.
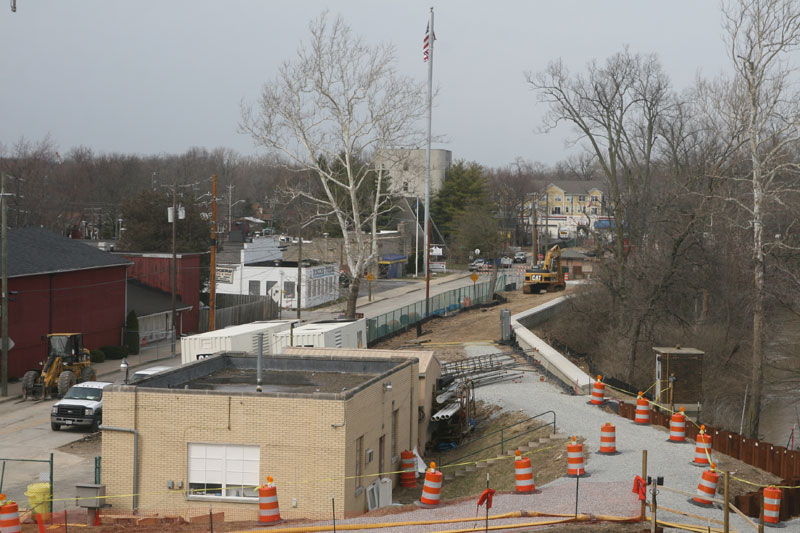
(674, 350)
(241, 328)
(425, 357)
(319, 376)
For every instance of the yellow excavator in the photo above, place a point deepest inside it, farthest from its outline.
(547, 275)
(67, 363)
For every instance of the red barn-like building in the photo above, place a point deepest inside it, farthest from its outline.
(154, 270)
(60, 285)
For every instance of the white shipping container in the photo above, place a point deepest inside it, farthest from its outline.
(241, 338)
(325, 334)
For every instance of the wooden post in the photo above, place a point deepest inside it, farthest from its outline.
(644, 477)
(727, 512)
(653, 506)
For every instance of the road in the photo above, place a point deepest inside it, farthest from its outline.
(25, 434)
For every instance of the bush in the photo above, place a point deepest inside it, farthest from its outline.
(131, 336)
(114, 352)
(97, 356)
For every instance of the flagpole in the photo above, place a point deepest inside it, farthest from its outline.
(431, 39)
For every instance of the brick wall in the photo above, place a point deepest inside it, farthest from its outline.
(302, 444)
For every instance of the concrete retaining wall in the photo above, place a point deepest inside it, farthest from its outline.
(550, 358)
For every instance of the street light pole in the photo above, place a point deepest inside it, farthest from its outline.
(4, 253)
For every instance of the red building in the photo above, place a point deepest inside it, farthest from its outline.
(59, 285)
(154, 270)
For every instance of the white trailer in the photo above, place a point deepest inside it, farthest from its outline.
(241, 338)
(324, 334)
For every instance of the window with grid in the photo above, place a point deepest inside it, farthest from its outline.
(223, 471)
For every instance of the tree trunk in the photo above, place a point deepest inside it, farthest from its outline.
(352, 297)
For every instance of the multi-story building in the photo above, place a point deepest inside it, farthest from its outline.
(407, 171)
(563, 206)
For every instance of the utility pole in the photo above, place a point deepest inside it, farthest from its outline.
(212, 283)
(230, 207)
(4, 252)
(298, 291)
(534, 233)
(174, 264)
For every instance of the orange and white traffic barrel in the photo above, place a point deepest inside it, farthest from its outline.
(608, 439)
(524, 473)
(432, 489)
(268, 510)
(408, 476)
(566, 276)
(772, 505)
(677, 426)
(598, 392)
(642, 415)
(707, 487)
(9, 518)
(575, 466)
(702, 449)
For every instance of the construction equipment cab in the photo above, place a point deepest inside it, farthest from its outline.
(67, 363)
(547, 275)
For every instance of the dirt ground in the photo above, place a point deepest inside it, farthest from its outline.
(447, 336)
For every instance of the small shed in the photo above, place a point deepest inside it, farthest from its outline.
(685, 367)
(391, 265)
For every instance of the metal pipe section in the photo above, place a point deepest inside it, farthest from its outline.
(258, 361)
(135, 460)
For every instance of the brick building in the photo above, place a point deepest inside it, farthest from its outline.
(60, 285)
(323, 426)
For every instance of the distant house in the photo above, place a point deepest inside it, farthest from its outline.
(563, 206)
(60, 285)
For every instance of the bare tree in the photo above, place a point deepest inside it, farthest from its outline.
(338, 105)
(760, 34)
(615, 108)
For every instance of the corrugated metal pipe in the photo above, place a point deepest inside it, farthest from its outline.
(135, 460)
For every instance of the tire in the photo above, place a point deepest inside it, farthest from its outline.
(65, 381)
(54, 426)
(88, 374)
(95, 423)
(27, 383)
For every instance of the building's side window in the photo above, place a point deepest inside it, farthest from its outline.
(223, 471)
(558, 198)
(359, 460)
(594, 211)
(556, 210)
(288, 289)
(595, 198)
(581, 197)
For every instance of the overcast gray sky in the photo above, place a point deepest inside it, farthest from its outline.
(162, 76)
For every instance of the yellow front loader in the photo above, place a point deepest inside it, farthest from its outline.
(67, 363)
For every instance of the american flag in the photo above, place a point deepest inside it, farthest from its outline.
(426, 43)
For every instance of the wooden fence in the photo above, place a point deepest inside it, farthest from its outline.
(234, 309)
(777, 460)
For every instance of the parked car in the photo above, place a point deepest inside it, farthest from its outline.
(478, 264)
(82, 405)
(520, 257)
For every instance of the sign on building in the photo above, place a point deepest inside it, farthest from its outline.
(224, 275)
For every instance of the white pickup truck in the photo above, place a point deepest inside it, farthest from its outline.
(82, 405)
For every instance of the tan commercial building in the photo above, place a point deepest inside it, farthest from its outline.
(201, 434)
(430, 370)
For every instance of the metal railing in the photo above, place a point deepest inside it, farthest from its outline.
(48, 461)
(503, 438)
(439, 305)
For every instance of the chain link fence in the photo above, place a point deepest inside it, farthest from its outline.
(443, 304)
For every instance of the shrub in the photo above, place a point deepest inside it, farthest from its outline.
(114, 352)
(131, 335)
(97, 356)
